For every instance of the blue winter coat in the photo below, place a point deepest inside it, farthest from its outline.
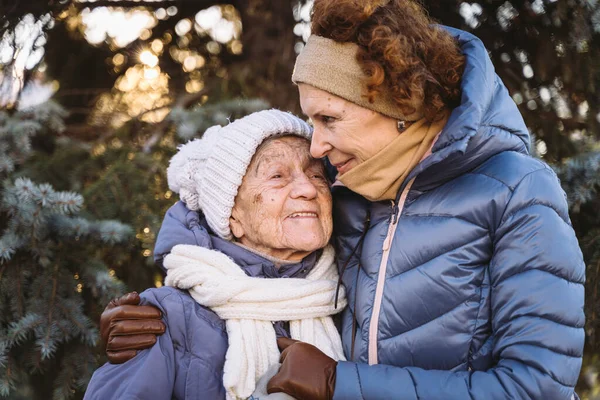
(187, 361)
(481, 296)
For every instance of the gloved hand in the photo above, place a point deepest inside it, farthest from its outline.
(126, 327)
(306, 372)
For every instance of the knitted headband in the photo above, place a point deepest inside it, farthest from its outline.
(208, 172)
(332, 66)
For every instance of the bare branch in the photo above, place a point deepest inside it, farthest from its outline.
(127, 4)
(195, 4)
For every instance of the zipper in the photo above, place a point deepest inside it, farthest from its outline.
(393, 222)
(387, 244)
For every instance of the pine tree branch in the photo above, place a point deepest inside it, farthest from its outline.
(113, 188)
(140, 115)
(159, 130)
(19, 292)
(51, 305)
(126, 4)
(2, 270)
(199, 4)
(151, 4)
(67, 314)
(81, 91)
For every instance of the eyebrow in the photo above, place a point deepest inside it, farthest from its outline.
(260, 161)
(319, 112)
(330, 113)
(307, 163)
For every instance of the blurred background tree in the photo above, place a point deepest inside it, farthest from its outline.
(136, 78)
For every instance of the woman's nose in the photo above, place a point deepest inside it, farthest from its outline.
(304, 188)
(319, 146)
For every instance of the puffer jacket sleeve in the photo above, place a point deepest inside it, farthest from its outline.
(150, 374)
(537, 275)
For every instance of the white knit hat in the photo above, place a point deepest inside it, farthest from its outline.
(207, 172)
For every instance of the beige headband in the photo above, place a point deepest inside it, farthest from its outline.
(332, 66)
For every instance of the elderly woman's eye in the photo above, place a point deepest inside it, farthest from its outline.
(276, 176)
(327, 119)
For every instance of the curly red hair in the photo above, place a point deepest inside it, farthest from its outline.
(400, 48)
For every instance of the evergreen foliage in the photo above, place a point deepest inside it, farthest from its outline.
(189, 122)
(51, 267)
(121, 129)
(580, 177)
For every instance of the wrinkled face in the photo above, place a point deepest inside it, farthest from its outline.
(344, 132)
(283, 207)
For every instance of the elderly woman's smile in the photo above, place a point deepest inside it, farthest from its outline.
(304, 214)
(283, 207)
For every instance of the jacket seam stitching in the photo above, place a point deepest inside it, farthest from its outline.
(431, 320)
(511, 188)
(546, 319)
(502, 348)
(496, 372)
(451, 141)
(539, 270)
(209, 366)
(180, 295)
(504, 215)
(187, 313)
(203, 317)
(412, 378)
(476, 170)
(166, 322)
(487, 339)
(469, 356)
(533, 204)
(511, 132)
(440, 215)
(539, 370)
(501, 127)
(358, 380)
(421, 264)
(187, 371)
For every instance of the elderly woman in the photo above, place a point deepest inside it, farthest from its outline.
(256, 206)
(463, 273)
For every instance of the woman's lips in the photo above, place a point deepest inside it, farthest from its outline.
(343, 167)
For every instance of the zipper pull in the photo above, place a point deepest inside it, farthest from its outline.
(395, 214)
(393, 222)
(393, 207)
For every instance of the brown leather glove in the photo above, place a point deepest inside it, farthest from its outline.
(126, 327)
(306, 373)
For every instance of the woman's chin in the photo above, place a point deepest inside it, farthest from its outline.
(308, 244)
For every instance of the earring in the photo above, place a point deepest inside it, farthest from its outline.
(401, 126)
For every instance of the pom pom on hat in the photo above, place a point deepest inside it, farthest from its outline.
(208, 172)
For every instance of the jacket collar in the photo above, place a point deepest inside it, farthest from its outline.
(487, 121)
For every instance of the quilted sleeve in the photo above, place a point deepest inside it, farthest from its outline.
(148, 375)
(537, 297)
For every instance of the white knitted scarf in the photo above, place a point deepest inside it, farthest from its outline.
(250, 305)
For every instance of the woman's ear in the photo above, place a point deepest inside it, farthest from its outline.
(234, 224)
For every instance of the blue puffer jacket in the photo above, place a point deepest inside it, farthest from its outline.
(187, 361)
(470, 285)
